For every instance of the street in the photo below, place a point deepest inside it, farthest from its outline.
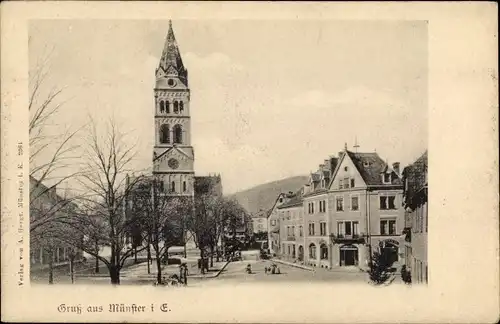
(233, 274)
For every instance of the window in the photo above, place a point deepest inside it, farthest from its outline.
(323, 183)
(340, 184)
(387, 178)
(388, 227)
(293, 231)
(173, 186)
(346, 183)
(322, 228)
(301, 231)
(177, 134)
(167, 107)
(352, 183)
(346, 168)
(289, 252)
(273, 222)
(340, 203)
(391, 200)
(355, 203)
(322, 206)
(176, 107)
(161, 186)
(348, 228)
(281, 199)
(312, 251)
(323, 252)
(181, 107)
(184, 186)
(387, 202)
(311, 207)
(288, 215)
(162, 106)
(311, 229)
(164, 133)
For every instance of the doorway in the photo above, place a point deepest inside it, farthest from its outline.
(349, 256)
(301, 253)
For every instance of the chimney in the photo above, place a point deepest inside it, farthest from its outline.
(327, 164)
(395, 167)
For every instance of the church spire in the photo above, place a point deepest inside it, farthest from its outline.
(171, 61)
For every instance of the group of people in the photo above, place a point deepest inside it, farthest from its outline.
(175, 279)
(273, 269)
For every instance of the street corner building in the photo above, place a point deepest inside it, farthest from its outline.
(416, 219)
(351, 207)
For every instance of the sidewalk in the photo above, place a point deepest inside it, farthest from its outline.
(296, 265)
(217, 269)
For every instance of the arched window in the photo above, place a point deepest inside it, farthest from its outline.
(162, 106)
(177, 134)
(312, 251)
(167, 107)
(184, 186)
(176, 107)
(173, 186)
(181, 107)
(161, 186)
(323, 252)
(164, 133)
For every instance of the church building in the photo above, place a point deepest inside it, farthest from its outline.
(173, 154)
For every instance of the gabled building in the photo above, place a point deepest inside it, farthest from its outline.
(316, 220)
(365, 209)
(273, 226)
(416, 218)
(291, 227)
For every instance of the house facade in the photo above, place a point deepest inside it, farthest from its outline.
(315, 209)
(45, 246)
(273, 226)
(416, 218)
(291, 227)
(365, 210)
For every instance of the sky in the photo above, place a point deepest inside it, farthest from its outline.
(269, 99)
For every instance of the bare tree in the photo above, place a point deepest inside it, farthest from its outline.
(49, 237)
(108, 160)
(52, 154)
(161, 218)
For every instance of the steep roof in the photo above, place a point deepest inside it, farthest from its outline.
(171, 56)
(370, 166)
(296, 199)
(415, 180)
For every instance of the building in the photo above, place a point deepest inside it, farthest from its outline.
(416, 219)
(317, 227)
(273, 226)
(365, 209)
(259, 222)
(173, 154)
(45, 207)
(291, 227)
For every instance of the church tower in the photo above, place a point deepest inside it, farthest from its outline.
(173, 155)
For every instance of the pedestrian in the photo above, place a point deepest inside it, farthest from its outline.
(185, 273)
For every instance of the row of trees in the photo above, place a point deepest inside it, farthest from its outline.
(110, 205)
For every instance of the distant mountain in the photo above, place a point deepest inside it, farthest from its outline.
(262, 197)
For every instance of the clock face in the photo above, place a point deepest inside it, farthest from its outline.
(173, 163)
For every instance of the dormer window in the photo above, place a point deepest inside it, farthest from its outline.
(366, 164)
(281, 199)
(386, 178)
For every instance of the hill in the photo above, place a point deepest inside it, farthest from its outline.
(262, 197)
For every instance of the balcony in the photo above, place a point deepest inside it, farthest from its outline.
(290, 238)
(347, 239)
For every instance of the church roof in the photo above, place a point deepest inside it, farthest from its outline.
(171, 56)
